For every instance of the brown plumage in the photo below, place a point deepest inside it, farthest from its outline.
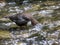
(22, 19)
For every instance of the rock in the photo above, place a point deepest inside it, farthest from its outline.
(4, 34)
(4, 20)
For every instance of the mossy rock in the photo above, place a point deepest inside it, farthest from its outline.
(4, 20)
(50, 3)
(4, 34)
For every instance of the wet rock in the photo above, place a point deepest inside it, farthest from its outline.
(15, 9)
(11, 3)
(48, 3)
(27, 8)
(22, 43)
(53, 7)
(46, 13)
(3, 20)
(2, 4)
(7, 25)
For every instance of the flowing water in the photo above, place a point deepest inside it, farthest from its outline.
(47, 32)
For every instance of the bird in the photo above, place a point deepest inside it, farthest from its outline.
(21, 19)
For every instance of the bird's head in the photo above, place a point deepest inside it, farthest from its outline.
(11, 17)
